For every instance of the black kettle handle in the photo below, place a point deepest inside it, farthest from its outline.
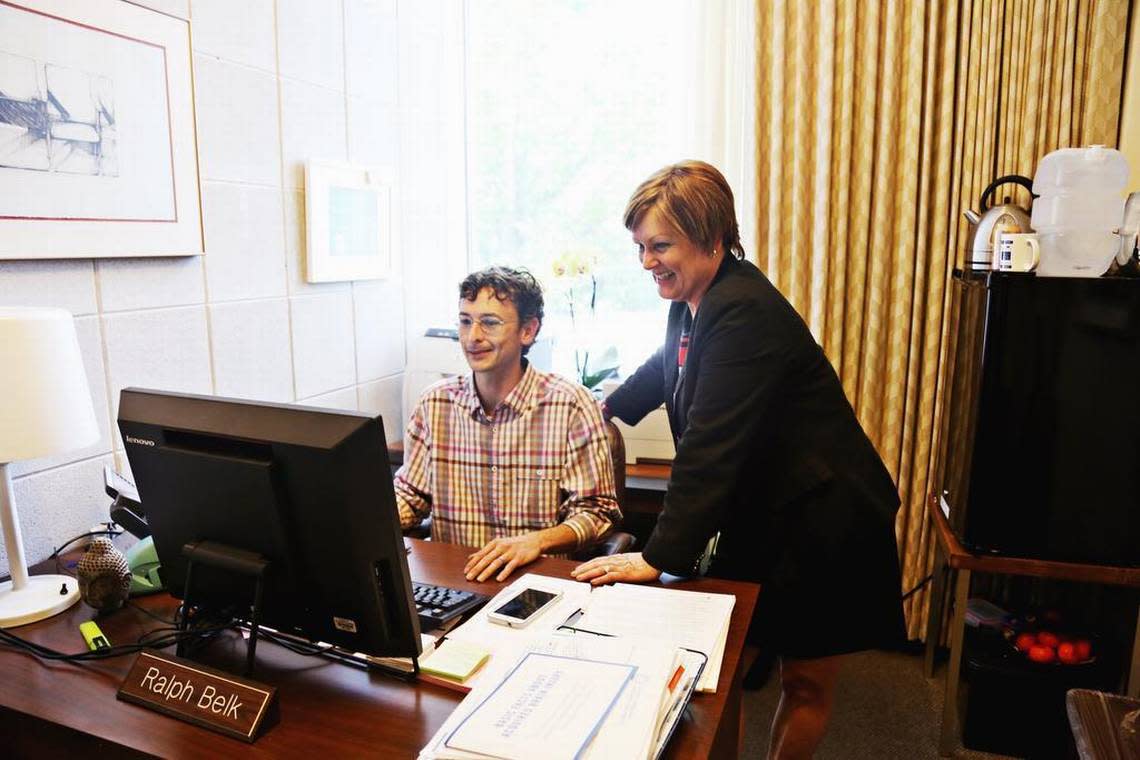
(1016, 179)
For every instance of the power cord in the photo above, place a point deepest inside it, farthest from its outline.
(155, 639)
(205, 625)
(148, 613)
(108, 531)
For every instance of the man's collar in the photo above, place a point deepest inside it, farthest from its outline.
(519, 400)
(521, 397)
(468, 396)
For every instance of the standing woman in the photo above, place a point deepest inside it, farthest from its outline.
(774, 481)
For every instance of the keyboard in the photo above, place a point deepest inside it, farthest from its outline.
(437, 605)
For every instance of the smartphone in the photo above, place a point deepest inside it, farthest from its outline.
(521, 609)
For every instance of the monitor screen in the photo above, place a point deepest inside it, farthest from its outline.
(308, 489)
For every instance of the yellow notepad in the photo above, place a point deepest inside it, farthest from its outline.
(456, 660)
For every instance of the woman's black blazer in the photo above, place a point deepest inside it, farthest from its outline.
(760, 420)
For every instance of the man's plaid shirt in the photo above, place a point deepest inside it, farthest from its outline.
(540, 459)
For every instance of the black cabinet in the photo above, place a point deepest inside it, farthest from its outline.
(1042, 451)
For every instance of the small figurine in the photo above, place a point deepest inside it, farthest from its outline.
(104, 576)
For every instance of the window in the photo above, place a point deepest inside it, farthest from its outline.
(569, 105)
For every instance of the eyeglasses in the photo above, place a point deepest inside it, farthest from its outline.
(489, 325)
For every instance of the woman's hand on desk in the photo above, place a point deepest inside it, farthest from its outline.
(631, 568)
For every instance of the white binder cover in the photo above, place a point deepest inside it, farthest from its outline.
(642, 718)
(548, 706)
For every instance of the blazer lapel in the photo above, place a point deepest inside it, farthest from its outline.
(679, 395)
(672, 342)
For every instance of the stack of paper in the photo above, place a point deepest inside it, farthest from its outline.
(572, 697)
(493, 636)
(687, 619)
(680, 619)
(605, 672)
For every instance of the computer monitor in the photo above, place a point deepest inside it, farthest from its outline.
(308, 489)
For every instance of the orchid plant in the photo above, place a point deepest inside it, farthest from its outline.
(574, 274)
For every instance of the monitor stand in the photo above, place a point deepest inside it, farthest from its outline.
(233, 560)
(250, 564)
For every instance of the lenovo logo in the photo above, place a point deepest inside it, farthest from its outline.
(140, 441)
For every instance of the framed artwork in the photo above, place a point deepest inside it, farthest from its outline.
(348, 222)
(98, 155)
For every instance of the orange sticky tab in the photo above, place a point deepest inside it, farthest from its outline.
(676, 677)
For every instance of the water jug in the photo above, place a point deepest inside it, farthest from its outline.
(1078, 210)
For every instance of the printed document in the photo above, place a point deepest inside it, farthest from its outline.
(507, 644)
(548, 706)
(632, 728)
(689, 619)
(495, 637)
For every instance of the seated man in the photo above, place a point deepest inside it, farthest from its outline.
(507, 458)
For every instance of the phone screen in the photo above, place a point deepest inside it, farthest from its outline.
(525, 604)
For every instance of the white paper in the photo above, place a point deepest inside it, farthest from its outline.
(506, 643)
(548, 707)
(688, 619)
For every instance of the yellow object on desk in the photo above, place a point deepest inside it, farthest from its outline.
(455, 660)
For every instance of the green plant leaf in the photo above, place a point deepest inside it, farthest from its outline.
(593, 379)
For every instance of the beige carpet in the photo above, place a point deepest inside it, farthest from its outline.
(885, 710)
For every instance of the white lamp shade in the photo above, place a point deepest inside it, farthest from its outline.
(45, 403)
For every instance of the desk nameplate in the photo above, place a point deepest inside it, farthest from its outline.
(203, 696)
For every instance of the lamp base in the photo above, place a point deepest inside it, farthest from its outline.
(40, 599)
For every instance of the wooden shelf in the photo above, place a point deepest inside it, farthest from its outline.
(961, 559)
(953, 566)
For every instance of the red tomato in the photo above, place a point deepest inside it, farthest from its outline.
(1083, 649)
(1048, 639)
(1025, 641)
(1041, 653)
(1067, 653)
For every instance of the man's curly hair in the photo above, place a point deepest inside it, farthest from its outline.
(515, 285)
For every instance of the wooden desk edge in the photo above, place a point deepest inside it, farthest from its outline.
(959, 558)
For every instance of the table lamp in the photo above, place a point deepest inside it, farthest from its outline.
(45, 408)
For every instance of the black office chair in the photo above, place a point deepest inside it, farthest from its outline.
(614, 542)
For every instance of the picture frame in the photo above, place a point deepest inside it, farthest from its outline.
(98, 146)
(349, 222)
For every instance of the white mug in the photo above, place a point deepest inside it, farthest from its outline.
(1018, 252)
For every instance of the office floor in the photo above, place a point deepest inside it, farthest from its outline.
(885, 709)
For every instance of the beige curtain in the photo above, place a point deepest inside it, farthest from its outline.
(879, 122)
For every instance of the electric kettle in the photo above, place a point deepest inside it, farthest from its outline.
(989, 223)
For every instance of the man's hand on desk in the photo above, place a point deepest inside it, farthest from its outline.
(631, 568)
(503, 556)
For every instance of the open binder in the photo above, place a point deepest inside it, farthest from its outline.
(669, 721)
